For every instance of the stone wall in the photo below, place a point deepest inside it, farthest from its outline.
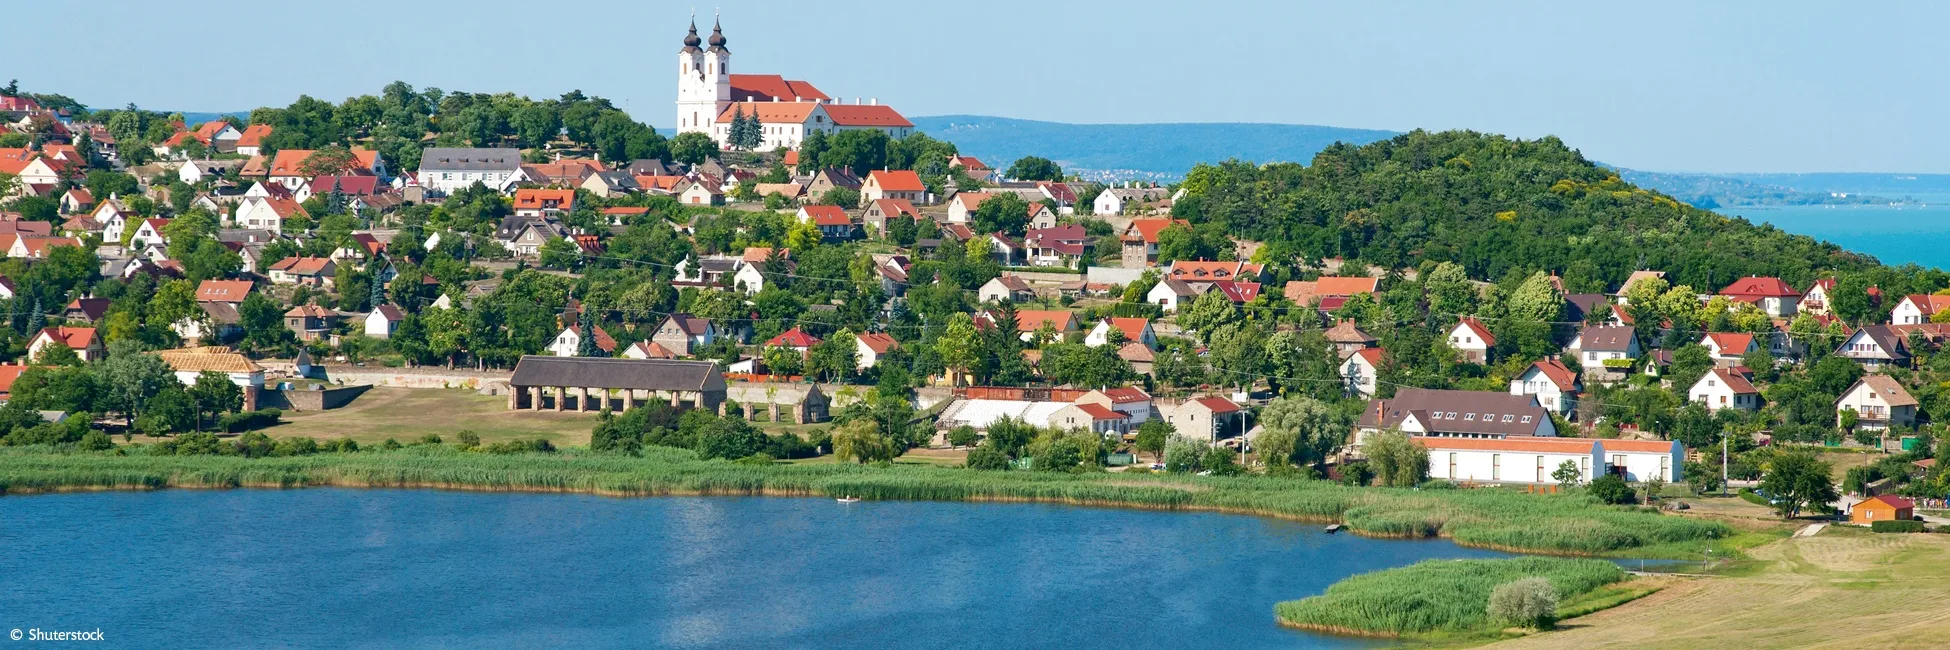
(424, 377)
(311, 400)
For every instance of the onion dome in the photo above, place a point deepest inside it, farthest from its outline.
(691, 40)
(717, 36)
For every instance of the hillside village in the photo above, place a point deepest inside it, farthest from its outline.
(793, 258)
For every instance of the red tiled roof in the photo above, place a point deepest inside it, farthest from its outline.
(1476, 327)
(1130, 327)
(764, 87)
(77, 338)
(1218, 404)
(899, 180)
(1030, 320)
(1759, 287)
(1731, 343)
(8, 373)
(879, 342)
(773, 112)
(1734, 381)
(254, 135)
(1126, 395)
(1516, 444)
(223, 290)
(1889, 500)
(1563, 377)
(1194, 271)
(1237, 292)
(793, 338)
(1148, 229)
(1098, 412)
(866, 115)
(534, 199)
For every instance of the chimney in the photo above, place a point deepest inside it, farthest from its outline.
(874, 101)
(775, 99)
(797, 98)
(856, 101)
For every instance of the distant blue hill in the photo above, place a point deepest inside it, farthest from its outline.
(1136, 150)
(199, 118)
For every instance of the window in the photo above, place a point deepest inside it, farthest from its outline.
(1508, 418)
(1469, 417)
(1496, 467)
(1526, 419)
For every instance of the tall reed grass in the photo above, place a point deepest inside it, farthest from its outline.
(1562, 524)
(1446, 596)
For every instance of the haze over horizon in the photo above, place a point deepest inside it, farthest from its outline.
(1721, 88)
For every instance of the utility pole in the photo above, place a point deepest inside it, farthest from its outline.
(1723, 464)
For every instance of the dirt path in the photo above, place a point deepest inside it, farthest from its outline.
(1844, 588)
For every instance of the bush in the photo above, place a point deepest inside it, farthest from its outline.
(988, 458)
(1897, 526)
(249, 420)
(1613, 490)
(96, 441)
(1530, 602)
(468, 439)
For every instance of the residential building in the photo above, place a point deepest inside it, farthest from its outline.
(1361, 370)
(1916, 309)
(683, 334)
(1330, 291)
(446, 169)
(1723, 388)
(1606, 352)
(1456, 414)
(1884, 507)
(1727, 348)
(1535, 461)
(258, 213)
(1554, 385)
(87, 310)
(1205, 418)
(1120, 200)
(1169, 293)
(1879, 402)
(1091, 417)
(1472, 340)
(1347, 338)
(1137, 330)
(83, 340)
(962, 206)
(309, 271)
(543, 202)
(569, 342)
(1064, 246)
(383, 321)
(1140, 240)
(1875, 346)
(1031, 321)
(896, 184)
(1130, 401)
(870, 347)
(1770, 294)
(1006, 287)
(879, 213)
(311, 322)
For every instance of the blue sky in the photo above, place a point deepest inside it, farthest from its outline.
(1672, 86)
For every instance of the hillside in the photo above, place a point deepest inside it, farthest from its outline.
(1495, 205)
(1142, 151)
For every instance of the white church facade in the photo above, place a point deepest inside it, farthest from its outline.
(709, 97)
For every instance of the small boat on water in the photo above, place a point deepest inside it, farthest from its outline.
(1333, 529)
(848, 499)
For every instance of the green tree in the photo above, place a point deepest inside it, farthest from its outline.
(1207, 313)
(329, 161)
(1317, 429)
(1530, 603)
(1610, 488)
(132, 378)
(1152, 436)
(861, 441)
(215, 394)
(1398, 460)
(693, 147)
(958, 347)
(1033, 168)
(1797, 480)
(1567, 474)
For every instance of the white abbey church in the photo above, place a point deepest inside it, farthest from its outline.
(709, 96)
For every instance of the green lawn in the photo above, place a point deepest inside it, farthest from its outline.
(406, 414)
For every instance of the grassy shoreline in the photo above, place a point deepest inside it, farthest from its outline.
(1494, 519)
(1443, 600)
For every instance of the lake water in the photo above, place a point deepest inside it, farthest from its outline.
(391, 568)
(1917, 232)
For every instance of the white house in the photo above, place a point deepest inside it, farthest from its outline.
(1091, 417)
(149, 233)
(570, 340)
(1361, 370)
(1597, 345)
(1879, 402)
(1728, 347)
(1134, 329)
(1168, 294)
(383, 321)
(1553, 384)
(1875, 346)
(750, 278)
(961, 207)
(1006, 287)
(870, 346)
(1472, 340)
(263, 213)
(1723, 388)
(1916, 309)
(1534, 461)
(1129, 400)
(1118, 199)
(445, 169)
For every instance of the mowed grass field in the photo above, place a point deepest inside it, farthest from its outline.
(405, 414)
(1843, 588)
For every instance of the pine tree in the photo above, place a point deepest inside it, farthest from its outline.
(754, 133)
(36, 320)
(587, 346)
(378, 295)
(737, 136)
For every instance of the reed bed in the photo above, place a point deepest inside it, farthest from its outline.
(1436, 596)
(1559, 524)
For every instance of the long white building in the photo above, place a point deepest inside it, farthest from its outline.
(1534, 460)
(710, 97)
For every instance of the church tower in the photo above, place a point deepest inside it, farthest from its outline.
(703, 82)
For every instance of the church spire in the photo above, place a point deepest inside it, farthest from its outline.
(691, 40)
(717, 35)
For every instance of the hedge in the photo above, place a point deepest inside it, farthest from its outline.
(1896, 526)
